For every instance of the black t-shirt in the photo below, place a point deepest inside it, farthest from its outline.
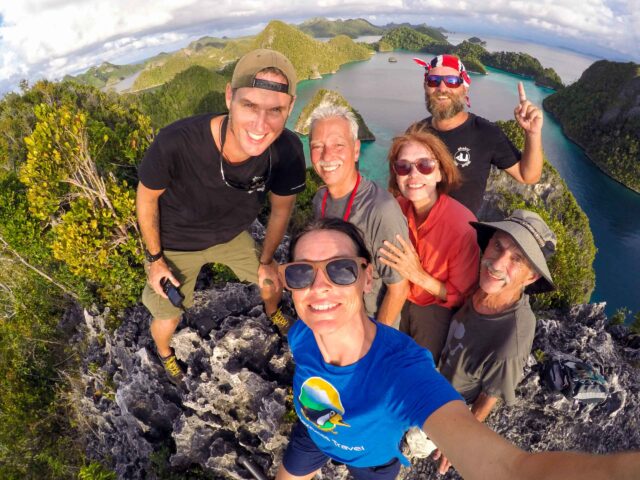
(475, 146)
(197, 209)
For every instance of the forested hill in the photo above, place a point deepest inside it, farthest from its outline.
(322, 27)
(604, 117)
(312, 58)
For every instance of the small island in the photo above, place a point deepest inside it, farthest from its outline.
(604, 121)
(477, 41)
(334, 98)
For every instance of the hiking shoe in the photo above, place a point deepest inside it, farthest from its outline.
(281, 320)
(172, 368)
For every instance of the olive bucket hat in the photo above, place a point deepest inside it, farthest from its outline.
(532, 235)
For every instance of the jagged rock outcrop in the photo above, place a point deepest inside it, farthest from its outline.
(324, 96)
(236, 397)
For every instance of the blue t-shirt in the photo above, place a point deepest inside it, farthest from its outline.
(357, 414)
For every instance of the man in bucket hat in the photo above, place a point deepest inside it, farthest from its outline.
(203, 182)
(490, 337)
(475, 142)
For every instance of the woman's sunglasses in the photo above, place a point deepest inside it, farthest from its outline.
(450, 81)
(425, 166)
(340, 272)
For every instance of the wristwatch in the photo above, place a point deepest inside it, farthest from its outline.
(149, 257)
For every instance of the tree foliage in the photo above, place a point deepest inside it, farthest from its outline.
(604, 120)
(193, 91)
(407, 38)
(91, 211)
(321, 27)
(35, 433)
(73, 215)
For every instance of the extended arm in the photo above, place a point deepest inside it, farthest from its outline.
(149, 222)
(393, 301)
(529, 117)
(477, 452)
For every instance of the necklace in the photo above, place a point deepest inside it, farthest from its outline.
(257, 183)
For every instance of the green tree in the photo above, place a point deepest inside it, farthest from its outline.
(93, 213)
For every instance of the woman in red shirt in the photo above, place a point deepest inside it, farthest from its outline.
(441, 262)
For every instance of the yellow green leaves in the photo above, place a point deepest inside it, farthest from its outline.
(72, 184)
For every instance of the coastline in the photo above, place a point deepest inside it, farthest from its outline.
(586, 154)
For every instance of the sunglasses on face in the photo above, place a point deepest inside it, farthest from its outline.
(451, 81)
(339, 271)
(425, 166)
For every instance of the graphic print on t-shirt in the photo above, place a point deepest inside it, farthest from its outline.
(457, 331)
(321, 404)
(462, 157)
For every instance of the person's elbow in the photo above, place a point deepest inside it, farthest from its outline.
(531, 178)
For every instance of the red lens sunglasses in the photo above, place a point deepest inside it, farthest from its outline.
(450, 81)
(425, 166)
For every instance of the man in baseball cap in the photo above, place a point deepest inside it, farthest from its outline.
(202, 184)
(490, 337)
(474, 142)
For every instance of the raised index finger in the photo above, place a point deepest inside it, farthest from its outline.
(521, 93)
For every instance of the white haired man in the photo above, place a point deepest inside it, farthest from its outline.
(335, 148)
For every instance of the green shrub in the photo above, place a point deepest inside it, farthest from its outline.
(35, 430)
(620, 316)
(95, 471)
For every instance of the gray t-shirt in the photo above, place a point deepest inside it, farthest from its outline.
(377, 214)
(486, 353)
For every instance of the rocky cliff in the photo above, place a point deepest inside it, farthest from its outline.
(236, 401)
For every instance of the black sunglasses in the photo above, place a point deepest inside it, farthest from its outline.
(425, 166)
(258, 183)
(451, 81)
(340, 272)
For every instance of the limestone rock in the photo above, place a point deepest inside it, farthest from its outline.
(332, 97)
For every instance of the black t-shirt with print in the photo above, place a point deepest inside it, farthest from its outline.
(197, 209)
(475, 146)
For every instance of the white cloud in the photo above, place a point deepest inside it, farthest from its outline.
(50, 38)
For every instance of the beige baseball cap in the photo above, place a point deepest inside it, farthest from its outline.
(244, 75)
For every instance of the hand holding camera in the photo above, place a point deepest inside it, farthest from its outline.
(172, 292)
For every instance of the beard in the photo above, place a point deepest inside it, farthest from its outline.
(444, 112)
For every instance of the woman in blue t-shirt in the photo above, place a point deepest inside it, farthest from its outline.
(359, 385)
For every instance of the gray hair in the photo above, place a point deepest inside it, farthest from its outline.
(329, 110)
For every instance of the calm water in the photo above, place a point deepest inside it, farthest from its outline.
(569, 65)
(390, 96)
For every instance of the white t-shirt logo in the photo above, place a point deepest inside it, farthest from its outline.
(463, 157)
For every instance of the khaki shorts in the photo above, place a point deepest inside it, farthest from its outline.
(239, 254)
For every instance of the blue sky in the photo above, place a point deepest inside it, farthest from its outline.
(51, 38)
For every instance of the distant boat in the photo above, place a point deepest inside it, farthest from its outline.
(393, 60)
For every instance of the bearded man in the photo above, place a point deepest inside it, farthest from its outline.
(474, 142)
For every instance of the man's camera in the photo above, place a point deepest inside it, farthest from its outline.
(172, 292)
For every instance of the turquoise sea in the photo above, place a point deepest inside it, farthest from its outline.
(390, 97)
